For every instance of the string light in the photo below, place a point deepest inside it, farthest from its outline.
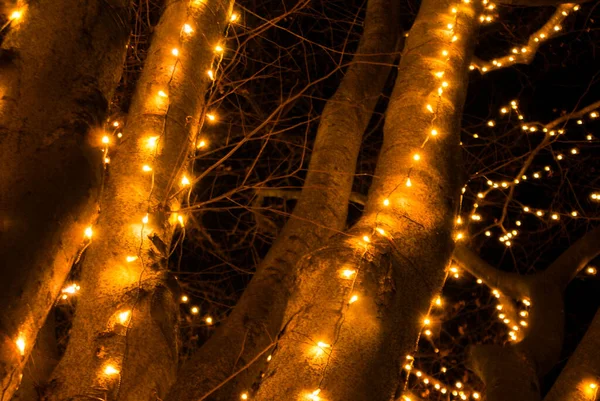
(185, 181)
(211, 74)
(131, 258)
(110, 370)
(124, 317)
(21, 344)
(234, 17)
(146, 168)
(145, 219)
(88, 232)
(209, 320)
(187, 29)
(353, 299)
(15, 15)
(244, 396)
(194, 310)
(184, 298)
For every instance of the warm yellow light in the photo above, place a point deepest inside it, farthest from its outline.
(426, 321)
(314, 396)
(593, 386)
(131, 258)
(429, 108)
(269, 358)
(175, 52)
(146, 168)
(416, 157)
(386, 202)
(187, 29)
(353, 299)
(211, 74)
(124, 317)
(110, 370)
(184, 298)
(476, 395)
(194, 310)
(554, 216)
(591, 270)
(21, 344)
(491, 123)
(380, 230)
(152, 142)
(408, 182)
(106, 160)
(71, 289)
(105, 139)
(434, 132)
(145, 219)
(209, 320)
(428, 332)
(162, 94)
(218, 48)
(211, 117)
(244, 396)
(593, 114)
(185, 181)
(444, 52)
(459, 236)
(180, 220)
(88, 232)
(201, 144)
(15, 15)
(438, 301)
(234, 17)
(348, 273)
(439, 74)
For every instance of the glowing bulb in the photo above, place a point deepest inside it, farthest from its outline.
(124, 317)
(211, 117)
(353, 299)
(145, 219)
(366, 238)
(429, 108)
(15, 15)
(152, 142)
(386, 202)
(416, 157)
(348, 273)
(21, 345)
(426, 321)
(408, 183)
(106, 160)
(488, 233)
(444, 52)
(175, 52)
(194, 310)
(184, 298)
(434, 132)
(131, 258)
(459, 236)
(209, 320)
(187, 29)
(439, 74)
(162, 94)
(234, 17)
(185, 181)
(380, 230)
(88, 232)
(491, 123)
(314, 396)
(593, 386)
(146, 168)
(591, 270)
(218, 49)
(244, 396)
(201, 144)
(105, 139)
(211, 75)
(110, 370)
(428, 332)
(438, 301)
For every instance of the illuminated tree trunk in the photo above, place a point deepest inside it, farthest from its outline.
(230, 362)
(336, 346)
(123, 344)
(60, 62)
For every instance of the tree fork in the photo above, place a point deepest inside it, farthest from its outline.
(320, 213)
(60, 63)
(361, 300)
(123, 344)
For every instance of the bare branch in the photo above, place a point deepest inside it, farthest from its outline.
(526, 53)
(509, 283)
(574, 259)
(537, 3)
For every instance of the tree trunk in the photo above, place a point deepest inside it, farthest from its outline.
(338, 347)
(321, 212)
(60, 62)
(123, 344)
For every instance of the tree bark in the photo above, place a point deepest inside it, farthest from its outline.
(580, 378)
(60, 63)
(397, 273)
(123, 344)
(320, 213)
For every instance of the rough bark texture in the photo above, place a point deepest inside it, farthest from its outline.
(142, 346)
(320, 213)
(399, 273)
(59, 65)
(582, 370)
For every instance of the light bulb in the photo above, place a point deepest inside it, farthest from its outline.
(146, 168)
(175, 52)
(187, 29)
(209, 320)
(110, 370)
(88, 232)
(21, 344)
(185, 181)
(353, 299)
